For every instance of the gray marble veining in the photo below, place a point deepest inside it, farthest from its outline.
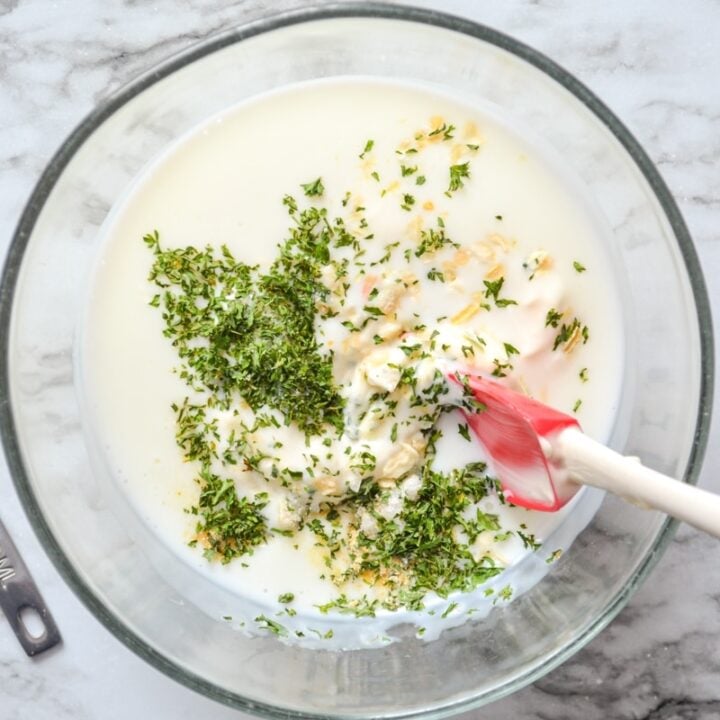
(655, 64)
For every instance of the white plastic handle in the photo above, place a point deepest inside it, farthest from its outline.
(591, 463)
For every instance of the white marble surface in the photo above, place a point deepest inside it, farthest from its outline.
(656, 63)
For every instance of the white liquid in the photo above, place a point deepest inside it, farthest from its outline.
(224, 184)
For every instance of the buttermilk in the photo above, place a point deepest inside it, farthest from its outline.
(288, 326)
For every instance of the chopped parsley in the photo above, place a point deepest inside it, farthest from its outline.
(501, 368)
(449, 609)
(314, 188)
(228, 525)
(506, 593)
(554, 555)
(570, 333)
(433, 240)
(458, 174)
(407, 202)
(266, 623)
(528, 540)
(445, 130)
(426, 547)
(278, 363)
(492, 290)
(369, 145)
(359, 607)
(553, 317)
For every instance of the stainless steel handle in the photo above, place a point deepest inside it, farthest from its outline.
(18, 592)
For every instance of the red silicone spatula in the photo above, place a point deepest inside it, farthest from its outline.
(543, 458)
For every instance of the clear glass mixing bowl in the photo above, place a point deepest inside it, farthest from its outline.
(664, 411)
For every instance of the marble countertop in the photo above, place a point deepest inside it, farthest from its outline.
(656, 63)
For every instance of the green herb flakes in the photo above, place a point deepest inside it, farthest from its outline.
(431, 241)
(369, 145)
(407, 202)
(570, 334)
(314, 188)
(553, 317)
(492, 290)
(458, 175)
(266, 623)
(554, 556)
(449, 609)
(464, 431)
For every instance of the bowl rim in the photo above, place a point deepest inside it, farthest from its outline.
(211, 44)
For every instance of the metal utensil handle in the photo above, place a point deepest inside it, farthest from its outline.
(18, 592)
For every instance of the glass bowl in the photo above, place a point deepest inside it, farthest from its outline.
(663, 418)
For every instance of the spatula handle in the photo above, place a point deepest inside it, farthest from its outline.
(591, 463)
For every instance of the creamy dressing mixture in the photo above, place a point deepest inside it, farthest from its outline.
(279, 411)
